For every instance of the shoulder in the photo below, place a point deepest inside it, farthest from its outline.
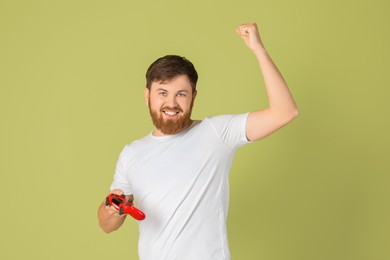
(223, 120)
(133, 146)
(230, 129)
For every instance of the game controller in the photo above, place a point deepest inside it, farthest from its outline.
(124, 206)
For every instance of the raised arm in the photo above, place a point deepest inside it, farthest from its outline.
(282, 108)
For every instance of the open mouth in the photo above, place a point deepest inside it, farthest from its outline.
(171, 113)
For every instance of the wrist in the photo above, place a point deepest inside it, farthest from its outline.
(259, 50)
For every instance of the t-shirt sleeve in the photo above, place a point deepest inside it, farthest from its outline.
(120, 177)
(231, 129)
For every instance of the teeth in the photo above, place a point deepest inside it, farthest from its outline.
(170, 113)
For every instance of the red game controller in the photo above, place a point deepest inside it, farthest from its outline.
(124, 206)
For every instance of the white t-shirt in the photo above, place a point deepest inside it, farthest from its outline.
(181, 184)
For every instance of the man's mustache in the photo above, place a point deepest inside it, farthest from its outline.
(171, 109)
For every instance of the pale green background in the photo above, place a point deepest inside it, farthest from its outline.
(72, 77)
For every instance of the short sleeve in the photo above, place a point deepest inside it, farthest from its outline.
(231, 129)
(120, 177)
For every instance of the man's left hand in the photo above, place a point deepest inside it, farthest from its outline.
(250, 34)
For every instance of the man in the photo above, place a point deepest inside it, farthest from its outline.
(178, 174)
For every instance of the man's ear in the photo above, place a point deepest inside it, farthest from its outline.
(194, 95)
(147, 95)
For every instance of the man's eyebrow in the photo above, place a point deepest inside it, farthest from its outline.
(161, 89)
(182, 90)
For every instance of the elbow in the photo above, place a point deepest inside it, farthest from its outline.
(286, 114)
(294, 113)
(291, 115)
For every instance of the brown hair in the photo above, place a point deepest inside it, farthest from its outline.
(168, 67)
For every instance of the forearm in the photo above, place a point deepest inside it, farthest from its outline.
(108, 221)
(280, 99)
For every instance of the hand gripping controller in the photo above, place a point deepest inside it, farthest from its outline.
(124, 206)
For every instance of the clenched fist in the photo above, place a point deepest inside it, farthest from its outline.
(250, 34)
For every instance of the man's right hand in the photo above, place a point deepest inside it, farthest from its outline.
(111, 209)
(109, 218)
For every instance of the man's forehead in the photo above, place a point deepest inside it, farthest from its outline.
(179, 83)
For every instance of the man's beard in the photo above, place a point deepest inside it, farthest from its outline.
(171, 126)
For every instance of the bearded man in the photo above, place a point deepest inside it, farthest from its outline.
(178, 174)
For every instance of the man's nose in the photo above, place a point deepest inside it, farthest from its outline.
(171, 101)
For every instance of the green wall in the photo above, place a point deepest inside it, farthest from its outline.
(71, 96)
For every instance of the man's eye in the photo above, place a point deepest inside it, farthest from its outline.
(162, 94)
(181, 95)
